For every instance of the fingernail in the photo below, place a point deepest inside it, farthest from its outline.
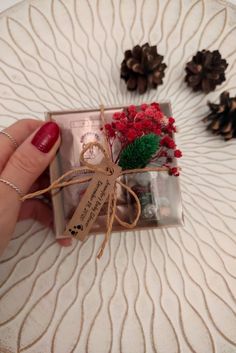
(46, 137)
(65, 242)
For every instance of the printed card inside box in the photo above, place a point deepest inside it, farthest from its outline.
(158, 192)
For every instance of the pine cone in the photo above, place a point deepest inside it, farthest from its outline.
(223, 117)
(205, 71)
(142, 68)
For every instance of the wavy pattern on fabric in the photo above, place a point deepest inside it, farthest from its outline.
(162, 291)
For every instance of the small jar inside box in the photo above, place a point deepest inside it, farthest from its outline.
(158, 192)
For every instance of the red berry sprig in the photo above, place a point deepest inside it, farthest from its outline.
(135, 122)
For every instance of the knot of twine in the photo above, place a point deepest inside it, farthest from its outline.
(70, 178)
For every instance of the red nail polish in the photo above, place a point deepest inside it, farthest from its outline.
(46, 137)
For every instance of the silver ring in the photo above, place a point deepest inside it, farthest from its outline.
(10, 138)
(13, 186)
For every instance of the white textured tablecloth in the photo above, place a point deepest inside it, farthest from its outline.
(6, 4)
(164, 291)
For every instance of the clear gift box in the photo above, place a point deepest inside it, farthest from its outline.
(158, 192)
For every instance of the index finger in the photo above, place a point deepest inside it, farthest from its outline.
(19, 131)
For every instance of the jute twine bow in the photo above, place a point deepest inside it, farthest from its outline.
(71, 178)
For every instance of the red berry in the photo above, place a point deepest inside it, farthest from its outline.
(171, 144)
(132, 108)
(171, 120)
(147, 123)
(164, 141)
(120, 126)
(111, 132)
(149, 112)
(167, 142)
(144, 106)
(132, 115)
(140, 116)
(177, 153)
(138, 126)
(107, 126)
(158, 132)
(169, 129)
(174, 170)
(158, 116)
(131, 135)
(155, 105)
(116, 116)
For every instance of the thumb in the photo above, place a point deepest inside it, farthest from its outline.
(32, 157)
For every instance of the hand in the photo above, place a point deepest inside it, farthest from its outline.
(24, 167)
